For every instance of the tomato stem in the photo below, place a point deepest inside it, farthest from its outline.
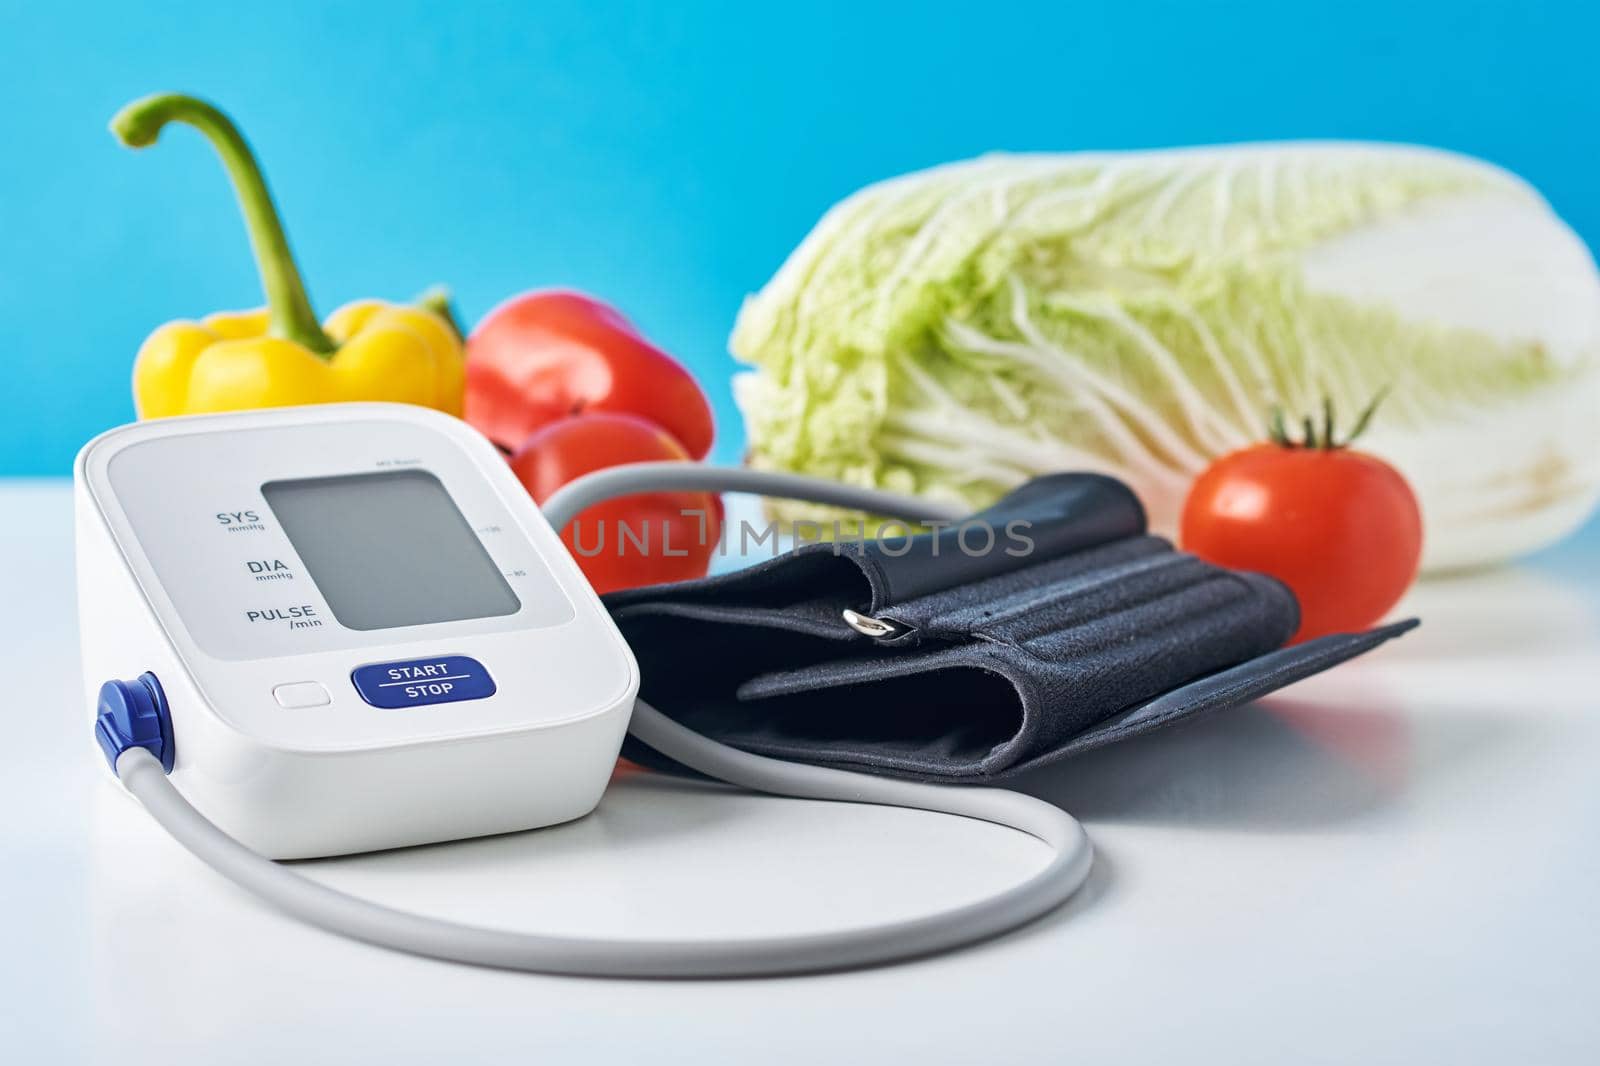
(1365, 418)
(1328, 439)
(1278, 431)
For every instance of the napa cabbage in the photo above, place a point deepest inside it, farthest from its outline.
(952, 332)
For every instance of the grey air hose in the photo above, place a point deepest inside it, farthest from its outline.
(338, 912)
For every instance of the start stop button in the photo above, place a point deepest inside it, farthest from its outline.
(417, 682)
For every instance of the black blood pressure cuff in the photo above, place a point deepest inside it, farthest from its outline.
(1045, 626)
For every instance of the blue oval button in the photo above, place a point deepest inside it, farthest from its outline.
(416, 682)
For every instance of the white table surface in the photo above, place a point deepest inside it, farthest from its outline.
(1395, 862)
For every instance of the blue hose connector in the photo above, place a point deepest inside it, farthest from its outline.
(133, 714)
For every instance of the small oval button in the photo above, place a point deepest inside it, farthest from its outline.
(301, 694)
(417, 682)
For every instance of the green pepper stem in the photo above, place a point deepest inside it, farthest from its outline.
(139, 124)
(437, 300)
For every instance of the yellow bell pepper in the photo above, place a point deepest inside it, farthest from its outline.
(279, 355)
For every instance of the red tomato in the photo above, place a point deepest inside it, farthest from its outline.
(632, 540)
(545, 355)
(1339, 527)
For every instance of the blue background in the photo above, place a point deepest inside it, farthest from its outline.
(666, 158)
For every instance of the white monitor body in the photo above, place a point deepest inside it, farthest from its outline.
(366, 632)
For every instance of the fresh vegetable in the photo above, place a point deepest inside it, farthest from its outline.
(279, 355)
(953, 332)
(632, 540)
(1341, 528)
(568, 386)
(545, 355)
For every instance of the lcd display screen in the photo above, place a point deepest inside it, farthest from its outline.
(389, 549)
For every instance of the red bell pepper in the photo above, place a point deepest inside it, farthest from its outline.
(565, 385)
(550, 354)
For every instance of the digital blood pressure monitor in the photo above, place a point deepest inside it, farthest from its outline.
(367, 634)
(322, 630)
